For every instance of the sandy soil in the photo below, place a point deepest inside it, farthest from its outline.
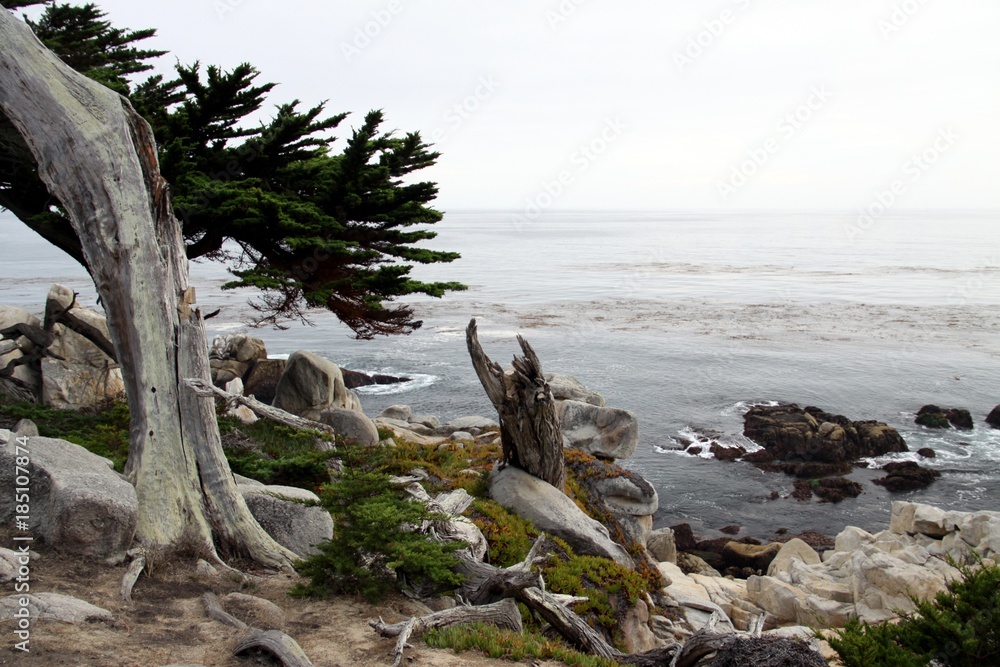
(166, 623)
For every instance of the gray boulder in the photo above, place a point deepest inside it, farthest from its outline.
(310, 385)
(238, 347)
(353, 426)
(398, 412)
(290, 515)
(262, 379)
(553, 512)
(568, 388)
(52, 606)
(609, 433)
(661, 546)
(78, 504)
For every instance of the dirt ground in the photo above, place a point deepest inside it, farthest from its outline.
(167, 624)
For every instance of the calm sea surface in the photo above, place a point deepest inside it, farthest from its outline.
(687, 319)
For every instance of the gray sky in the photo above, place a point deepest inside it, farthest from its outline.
(592, 104)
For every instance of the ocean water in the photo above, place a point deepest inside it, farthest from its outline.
(687, 319)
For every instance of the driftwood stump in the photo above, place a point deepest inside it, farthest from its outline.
(529, 429)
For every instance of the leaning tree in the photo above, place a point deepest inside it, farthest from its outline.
(97, 158)
(303, 220)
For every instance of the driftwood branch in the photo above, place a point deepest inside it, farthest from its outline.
(282, 647)
(202, 388)
(135, 568)
(529, 429)
(274, 642)
(56, 313)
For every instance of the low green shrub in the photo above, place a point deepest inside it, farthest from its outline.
(373, 542)
(959, 628)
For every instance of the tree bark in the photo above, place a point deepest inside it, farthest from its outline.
(97, 156)
(529, 429)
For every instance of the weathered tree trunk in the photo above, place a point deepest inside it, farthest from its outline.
(98, 158)
(529, 429)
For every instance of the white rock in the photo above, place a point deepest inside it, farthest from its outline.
(793, 550)
(775, 597)
(851, 539)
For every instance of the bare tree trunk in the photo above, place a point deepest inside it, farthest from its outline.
(98, 158)
(529, 430)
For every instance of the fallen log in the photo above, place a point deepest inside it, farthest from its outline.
(202, 388)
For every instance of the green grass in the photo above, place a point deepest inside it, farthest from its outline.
(509, 645)
(104, 432)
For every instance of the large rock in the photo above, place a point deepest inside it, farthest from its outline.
(777, 598)
(262, 379)
(609, 433)
(400, 413)
(757, 557)
(636, 635)
(11, 316)
(79, 505)
(932, 416)
(906, 476)
(791, 433)
(568, 388)
(468, 424)
(52, 606)
(792, 550)
(661, 546)
(310, 385)
(353, 426)
(238, 347)
(88, 377)
(993, 419)
(553, 512)
(629, 493)
(290, 515)
(883, 584)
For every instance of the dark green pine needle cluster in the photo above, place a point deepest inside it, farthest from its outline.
(308, 221)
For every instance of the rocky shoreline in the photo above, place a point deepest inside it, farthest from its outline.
(791, 585)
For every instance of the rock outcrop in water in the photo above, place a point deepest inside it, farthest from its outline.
(791, 433)
(993, 419)
(932, 416)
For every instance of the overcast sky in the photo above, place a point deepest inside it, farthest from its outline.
(682, 104)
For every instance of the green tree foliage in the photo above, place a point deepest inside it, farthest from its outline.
(307, 223)
(374, 543)
(959, 628)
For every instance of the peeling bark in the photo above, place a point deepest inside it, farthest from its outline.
(97, 156)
